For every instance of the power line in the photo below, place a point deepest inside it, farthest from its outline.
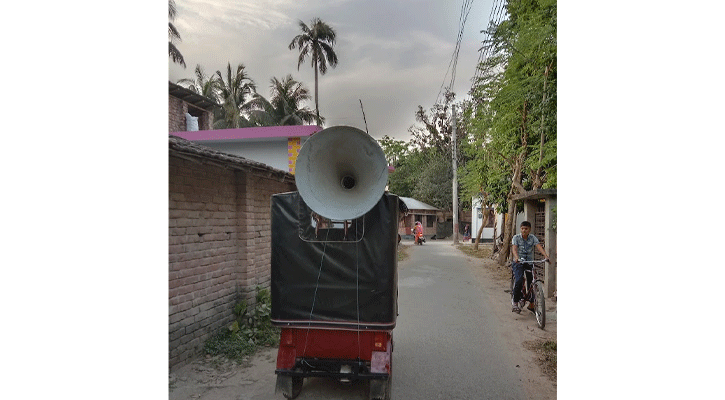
(465, 9)
(486, 50)
(460, 38)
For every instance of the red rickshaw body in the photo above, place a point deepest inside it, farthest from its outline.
(301, 345)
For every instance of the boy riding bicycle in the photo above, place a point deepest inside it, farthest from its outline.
(522, 249)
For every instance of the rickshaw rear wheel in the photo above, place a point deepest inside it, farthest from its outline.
(296, 387)
(386, 393)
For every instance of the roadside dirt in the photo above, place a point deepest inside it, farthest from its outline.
(524, 333)
(216, 378)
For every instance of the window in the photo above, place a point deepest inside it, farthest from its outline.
(429, 220)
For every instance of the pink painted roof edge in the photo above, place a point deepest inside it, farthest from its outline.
(250, 133)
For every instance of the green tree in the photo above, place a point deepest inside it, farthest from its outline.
(316, 41)
(434, 185)
(435, 139)
(423, 174)
(513, 125)
(408, 169)
(394, 149)
(437, 128)
(235, 90)
(174, 35)
(207, 86)
(285, 106)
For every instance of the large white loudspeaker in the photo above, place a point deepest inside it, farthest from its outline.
(341, 172)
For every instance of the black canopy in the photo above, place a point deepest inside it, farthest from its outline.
(320, 274)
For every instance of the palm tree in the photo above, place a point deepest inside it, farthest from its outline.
(284, 108)
(207, 86)
(174, 53)
(317, 41)
(234, 91)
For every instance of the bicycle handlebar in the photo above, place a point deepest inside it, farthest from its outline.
(534, 261)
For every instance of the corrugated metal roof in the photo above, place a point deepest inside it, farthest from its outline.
(414, 204)
(191, 97)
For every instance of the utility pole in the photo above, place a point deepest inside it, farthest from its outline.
(455, 179)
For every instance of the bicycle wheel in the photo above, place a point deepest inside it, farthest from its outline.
(540, 305)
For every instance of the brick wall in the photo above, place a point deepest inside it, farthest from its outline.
(177, 115)
(219, 251)
(255, 233)
(206, 121)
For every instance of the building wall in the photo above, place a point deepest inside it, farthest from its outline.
(206, 120)
(406, 224)
(255, 233)
(219, 251)
(177, 115)
(273, 152)
(476, 221)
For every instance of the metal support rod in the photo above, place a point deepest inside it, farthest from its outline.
(363, 113)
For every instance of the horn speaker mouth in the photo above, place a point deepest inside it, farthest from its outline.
(347, 182)
(341, 172)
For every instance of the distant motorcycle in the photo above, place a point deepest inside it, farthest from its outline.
(419, 239)
(418, 230)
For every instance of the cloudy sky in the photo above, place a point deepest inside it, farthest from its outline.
(393, 55)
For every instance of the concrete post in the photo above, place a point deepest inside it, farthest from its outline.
(455, 179)
(550, 247)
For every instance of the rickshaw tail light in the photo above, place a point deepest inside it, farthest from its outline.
(287, 337)
(380, 341)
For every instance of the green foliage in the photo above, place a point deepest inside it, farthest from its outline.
(316, 41)
(207, 86)
(405, 178)
(513, 123)
(435, 183)
(251, 329)
(394, 149)
(424, 175)
(484, 174)
(174, 35)
(424, 167)
(285, 106)
(234, 90)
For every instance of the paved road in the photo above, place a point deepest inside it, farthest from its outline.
(445, 344)
(448, 343)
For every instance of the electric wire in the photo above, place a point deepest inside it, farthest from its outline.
(460, 38)
(465, 9)
(495, 18)
(452, 65)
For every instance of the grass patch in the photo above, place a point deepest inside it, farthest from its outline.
(546, 356)
(484, 250)
(251, 330)
(403, 252)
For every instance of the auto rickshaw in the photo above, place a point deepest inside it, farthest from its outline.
(334, 280)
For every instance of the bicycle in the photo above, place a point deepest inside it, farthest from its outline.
(533, 292)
